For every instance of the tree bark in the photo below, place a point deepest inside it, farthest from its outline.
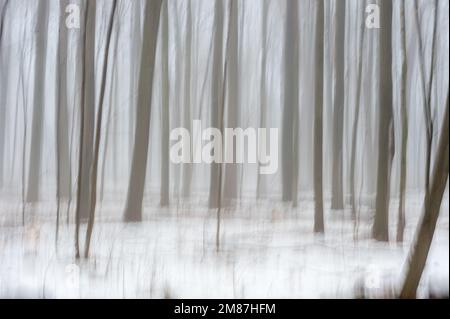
(291, 105)
(318, 120)
(98, 130)
(337, 193)
(433, 198)
(381, 223)
(133, 209)
(38, 99)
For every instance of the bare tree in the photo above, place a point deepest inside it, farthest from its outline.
(63, 175)
(404, 119)
(291, 105)
(337, 193)
(133, 209)
(216, 100)
(231, 172)
(433, 198)
(98, 130)
(38, 101)
(187, 111)
(357, 111)
(165, 122)
(385, 124)
(4, 87)
(318, 119)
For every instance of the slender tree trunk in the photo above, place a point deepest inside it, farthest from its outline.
(165, 123)
(87, 103)
(433, 198)
(89, 111)
(216, 95)
(3, 88)
(357, 111)
(385, 128)
(318, 120)
(63, 180)
(38, 101)
(404, 118)
(98, 130)
(133, 209)
(337, 194)
(187, 116)
(231, 174)
(262, 89)
(291, 105)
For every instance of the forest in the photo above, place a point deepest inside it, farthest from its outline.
(224, 149)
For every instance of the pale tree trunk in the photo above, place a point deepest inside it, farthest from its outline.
(187, 116)
(216, 97)
(337, 194)
(262, 90)
(3, 87)
(357, 111)
(426, 91)
(89, 111)
(165, 123)
(136, 36)
(291, 105)
(404, 119)
(87, 107)
(433, 198)
(385, 124)
(318, 120)
(133, 209)
(38, 101)
(63, 178)
(98, 130)
(231, 172)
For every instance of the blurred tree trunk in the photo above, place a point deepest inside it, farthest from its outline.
(231, 173)
(318, 119)
(165, 105)
(216, 99)
(135, 55)
(385, 124)
(38, 101)
(433, 198)
(357, 111)
(262, 90)
(98, 131)
(291, 105)
(4, 57)
(87, 107)
(404, 119)
(187, 116)
(63, 174)
(133, 208)
(337, 193)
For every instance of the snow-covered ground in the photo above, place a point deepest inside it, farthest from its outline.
(264, 253)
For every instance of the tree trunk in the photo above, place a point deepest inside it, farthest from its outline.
(216, 99)
(404, 119)
(318, 120)
(291, 105)
(38, 101)
(165, 123)
(262, 90)
(231, 173)
(337, 194)
(133, 209)
(381, 223)
(424, 236)
(187, 116)
(98, 130)
(3, 89)
(357, 111)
